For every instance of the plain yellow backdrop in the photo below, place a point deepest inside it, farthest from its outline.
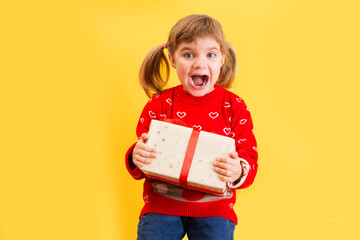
(70, 101)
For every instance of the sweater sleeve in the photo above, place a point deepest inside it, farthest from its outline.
(245, 142)
(149, 112)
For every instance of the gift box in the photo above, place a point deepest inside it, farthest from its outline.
(185, 156)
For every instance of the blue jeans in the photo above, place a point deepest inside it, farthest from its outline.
(153, 226)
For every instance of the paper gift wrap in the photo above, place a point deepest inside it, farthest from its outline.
(185, 156)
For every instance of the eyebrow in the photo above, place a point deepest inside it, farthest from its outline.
(189, 48)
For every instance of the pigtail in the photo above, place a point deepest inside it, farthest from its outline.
(154, 71)
(228, 70)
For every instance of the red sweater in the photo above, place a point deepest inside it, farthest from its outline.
(219, 111)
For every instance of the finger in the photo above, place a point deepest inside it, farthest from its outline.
(226, 179)
(223, 172)
(141, 160)
(228, 160)
(234, 155)
(233, 160)
(221, 160)
(138, 164)
(144, 137)
(142, 146)
(223, 163)
(146, 154)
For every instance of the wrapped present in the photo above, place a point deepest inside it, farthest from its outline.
(185, 156)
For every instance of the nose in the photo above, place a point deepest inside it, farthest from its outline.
(199, 63)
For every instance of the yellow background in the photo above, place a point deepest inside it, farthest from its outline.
(70, 100)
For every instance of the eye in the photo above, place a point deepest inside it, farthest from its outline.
(211, 55)
(188, 55)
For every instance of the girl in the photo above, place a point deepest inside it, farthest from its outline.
(205, 65)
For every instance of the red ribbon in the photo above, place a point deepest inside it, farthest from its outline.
(188, 158)
(189, 151)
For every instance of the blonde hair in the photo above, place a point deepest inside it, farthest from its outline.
(155, 68)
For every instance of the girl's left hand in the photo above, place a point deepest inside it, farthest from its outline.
(229, 168)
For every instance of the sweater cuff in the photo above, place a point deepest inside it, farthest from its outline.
(135, 172)
(245, 170)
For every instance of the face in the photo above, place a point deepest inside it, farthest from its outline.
(198, 65)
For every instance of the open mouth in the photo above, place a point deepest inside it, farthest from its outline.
(199, 80)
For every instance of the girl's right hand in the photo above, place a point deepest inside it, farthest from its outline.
(142, 153)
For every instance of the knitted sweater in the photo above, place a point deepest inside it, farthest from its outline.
(221, 112)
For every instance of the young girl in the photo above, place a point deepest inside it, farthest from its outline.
(205, 65)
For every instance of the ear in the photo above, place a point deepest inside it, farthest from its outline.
(222, 60)
(172, 61)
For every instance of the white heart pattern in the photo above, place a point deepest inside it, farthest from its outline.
(152, 114)
(213, 115)
(169, 101)
(232, 135)
(227, 105)
(227, 131)
(198, 127)
(142, 120)
(239, 99)
(181, 114)
(241, 140)
(163, 116)
(243, 121)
